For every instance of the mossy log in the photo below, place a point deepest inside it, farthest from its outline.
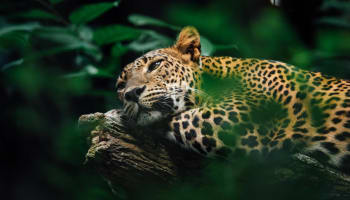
(127, 160)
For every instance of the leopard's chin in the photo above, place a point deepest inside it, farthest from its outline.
(145, 118)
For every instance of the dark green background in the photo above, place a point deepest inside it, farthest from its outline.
(55, 66)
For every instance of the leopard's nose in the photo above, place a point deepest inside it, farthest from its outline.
(134, 94)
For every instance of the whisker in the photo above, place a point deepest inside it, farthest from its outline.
(130, 111)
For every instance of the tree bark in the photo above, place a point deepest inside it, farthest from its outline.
(127, 159)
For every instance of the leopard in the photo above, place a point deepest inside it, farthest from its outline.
(259, 106)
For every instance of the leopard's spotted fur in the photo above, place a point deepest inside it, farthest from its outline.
(271, 105)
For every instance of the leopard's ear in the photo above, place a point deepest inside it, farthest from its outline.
(188, 43)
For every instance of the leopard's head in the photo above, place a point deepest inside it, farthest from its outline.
(162, 82)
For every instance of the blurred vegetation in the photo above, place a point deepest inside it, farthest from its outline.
(59, 59)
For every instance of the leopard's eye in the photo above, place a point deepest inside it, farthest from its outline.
(121, 85)
(154, 65)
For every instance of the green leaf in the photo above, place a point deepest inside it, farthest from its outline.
(118, 50)
(335, 4)
(37, 14)
(335, 21)
(115, 33)
(150, 40)
(85, 33)
(207, 47)
(56, 39)
(23, 27)
(141, 20)
(90, 12)
(57, 34)
(90, 70)
(62, 40)
(67, 36)
(226, 46)
(14, 39)
(82, 46)
(12, 64)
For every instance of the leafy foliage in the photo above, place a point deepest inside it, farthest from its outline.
(115, 33)
(37, 14)
(89, 12)
(59, 59)
(141, 20)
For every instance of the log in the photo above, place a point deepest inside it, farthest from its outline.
(127, 158)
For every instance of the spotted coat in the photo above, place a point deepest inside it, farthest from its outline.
(268, 106)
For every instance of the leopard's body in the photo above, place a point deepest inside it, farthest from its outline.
(272, 106)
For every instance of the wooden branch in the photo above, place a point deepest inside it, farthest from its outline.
(127, 160)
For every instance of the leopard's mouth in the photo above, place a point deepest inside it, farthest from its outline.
(150, 117)
(142, 115)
